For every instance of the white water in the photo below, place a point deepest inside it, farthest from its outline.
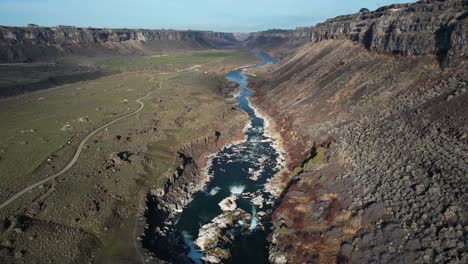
(237, 189)
(254, 159)
(194, 253)
(254, 222)
(214, 191)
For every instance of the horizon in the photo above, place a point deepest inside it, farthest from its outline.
(208, 15)
(229, 131)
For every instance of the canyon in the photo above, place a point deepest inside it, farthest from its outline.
(26, 44)
(422, 28)
(372, 108)
(369, 108)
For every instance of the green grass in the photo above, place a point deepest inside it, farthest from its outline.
(31, 131)
(36, 125)
(318, 158)
(314, 159)
(173, 62)
(297, 170)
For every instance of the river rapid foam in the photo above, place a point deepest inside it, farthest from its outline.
(241, 170)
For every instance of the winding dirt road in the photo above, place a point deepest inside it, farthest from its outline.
(77, 153)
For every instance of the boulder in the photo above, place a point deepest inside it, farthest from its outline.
(228, 204)
(215, 238)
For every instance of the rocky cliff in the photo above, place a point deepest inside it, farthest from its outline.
(373, 112)
(426, 27)
(165, 205)
(277, 38)
(19, 44)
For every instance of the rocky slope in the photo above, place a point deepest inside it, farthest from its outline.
(426, 27)
(374, 111)
(20, 44)
(165, 204)
(278, 41)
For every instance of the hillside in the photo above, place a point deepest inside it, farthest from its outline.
(371, 109)
(35, 58)
(426, 27)
(84, 156)
(373, 113)
(26, 44)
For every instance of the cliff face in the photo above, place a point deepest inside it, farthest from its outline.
(277, 38)
(164, 208)
(376, 127)
(426, 27)
(278, 42)
(36, 43)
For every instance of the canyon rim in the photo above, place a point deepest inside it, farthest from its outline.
(341, 142)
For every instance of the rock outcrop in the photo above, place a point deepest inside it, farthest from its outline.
(228, 204)
(278, 38)
(166, 204)
(215, 237)
(23, 44)
(376, 127)
(428, 27)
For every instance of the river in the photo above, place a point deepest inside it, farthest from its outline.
(242, 170)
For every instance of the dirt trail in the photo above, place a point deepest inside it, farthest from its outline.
(83, 142)
(200, 65)
(77, 154)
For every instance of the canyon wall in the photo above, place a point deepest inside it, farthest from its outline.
(22, 44)
(165, 205)
(372, 109)
(427, 27)
(278, 39)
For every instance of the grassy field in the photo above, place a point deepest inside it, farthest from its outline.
(16, 79)
(166, 62)
(99, 197)
(36, 125)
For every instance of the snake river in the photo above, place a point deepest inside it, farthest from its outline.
(239, 171)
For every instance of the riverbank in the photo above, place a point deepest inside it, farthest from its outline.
(219, 176)
(189, 179)
(275, 184)
(165, 205)
(361, 188)
(97, 199)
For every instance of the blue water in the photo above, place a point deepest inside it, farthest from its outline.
(231, 170)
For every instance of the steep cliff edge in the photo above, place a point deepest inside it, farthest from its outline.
(376, 130)
(165, 205)
(426, 27)
(277, 41)
(20, 44)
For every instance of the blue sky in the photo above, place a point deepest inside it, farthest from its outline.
(218, 15)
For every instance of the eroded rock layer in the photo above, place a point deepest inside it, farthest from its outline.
(20, 44)
(427, 27)
(376, 132)
(165, 205)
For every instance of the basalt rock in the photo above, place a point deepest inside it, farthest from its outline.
(429, 27)
(389, 187)
(25, 44)
(214, 238)
(166, 204)
(276, 38)
(228, 204)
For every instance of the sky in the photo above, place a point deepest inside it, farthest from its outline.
(217, 15)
